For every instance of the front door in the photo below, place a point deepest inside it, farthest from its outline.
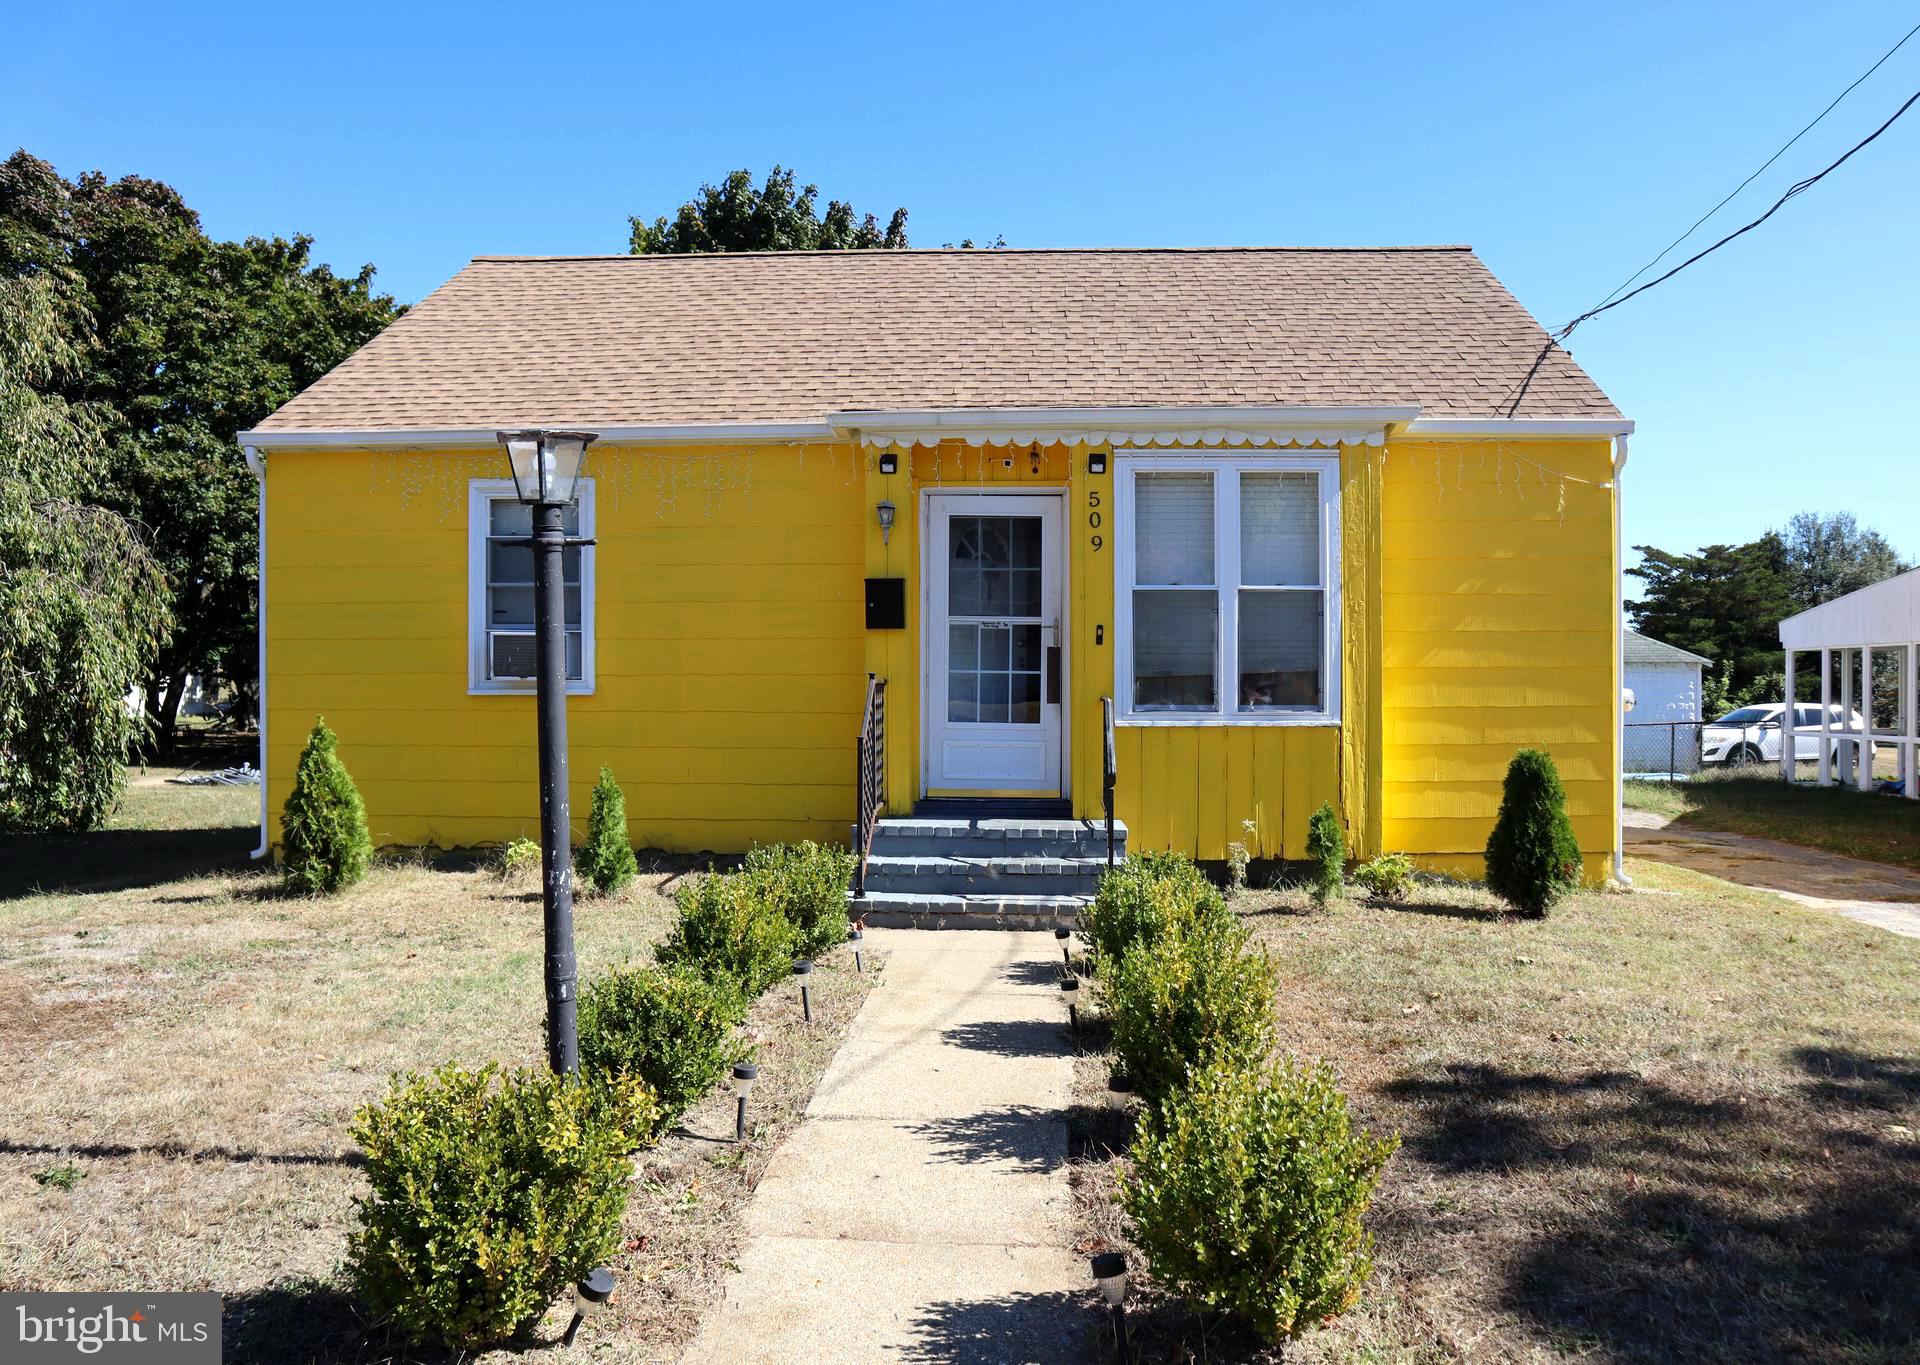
(993, 644)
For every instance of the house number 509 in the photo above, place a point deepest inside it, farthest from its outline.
(1093, 519)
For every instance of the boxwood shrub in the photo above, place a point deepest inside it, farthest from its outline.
(669, 1026)
(1246, 1190)
(729, 927)
(1201, 992)
(489, 1193)
(808, 883)
(1143, 898)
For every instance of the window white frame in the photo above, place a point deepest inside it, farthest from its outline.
(1226, 470)
(481, 493)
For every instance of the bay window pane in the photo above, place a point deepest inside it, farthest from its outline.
(1279, 528)
(1280, 647)
(1173, 528)
(1175, 643)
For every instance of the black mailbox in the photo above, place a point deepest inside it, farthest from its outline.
(886, 604)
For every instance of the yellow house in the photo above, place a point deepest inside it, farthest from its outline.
(1322, 525)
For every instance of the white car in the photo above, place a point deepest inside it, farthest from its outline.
(1752, 734)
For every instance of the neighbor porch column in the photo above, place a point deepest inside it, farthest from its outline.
(1787, 731)
(1910, 704)
(1826, 717)
(1863, 756)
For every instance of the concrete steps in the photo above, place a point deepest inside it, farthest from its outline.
(1002, 873)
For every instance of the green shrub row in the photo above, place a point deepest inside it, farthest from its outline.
(492, 1191)
(1247, 1180)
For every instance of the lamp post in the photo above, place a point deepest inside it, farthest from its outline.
(546, 477)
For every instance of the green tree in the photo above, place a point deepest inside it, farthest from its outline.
(606, 859)
(736, 215)
(1725, 602)
(324, 823)
(192, 341)
(1829, 557)
(1533, 858)
(82, 603)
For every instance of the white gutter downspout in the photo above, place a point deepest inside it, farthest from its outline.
(259, 468)
(1620, 668)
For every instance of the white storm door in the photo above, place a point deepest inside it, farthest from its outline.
(994, 643)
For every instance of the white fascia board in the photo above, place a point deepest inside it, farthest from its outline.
(1519, 426)
(699, 433)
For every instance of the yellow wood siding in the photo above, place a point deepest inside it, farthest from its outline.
(729, 633)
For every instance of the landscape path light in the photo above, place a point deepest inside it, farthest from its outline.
(1110, 1273)
(744, 1075)
(857, 936)
(546, 469)
(593, 1295)
(1070, 992)
(804, 970)
(1064, 937)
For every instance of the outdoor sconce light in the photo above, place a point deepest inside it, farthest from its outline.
(546, 464)
(857, 936)
(1033, 457)
(889, 462)
(1070, 992)
(1062, 935)
(1110, 1273)
(591, 1296)
(884, 514)
(804, 970)
(1097, 462)
(744, 1075)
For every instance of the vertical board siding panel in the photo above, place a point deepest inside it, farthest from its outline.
(1238, 777)
(1269, 789)
(1129, 796)
(1296, 776)
(1210, 777)
(1155, 805)
(1183, 790)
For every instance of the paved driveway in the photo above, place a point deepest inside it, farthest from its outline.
(1873, 893)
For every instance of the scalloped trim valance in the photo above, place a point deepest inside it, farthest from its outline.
(1210, 436)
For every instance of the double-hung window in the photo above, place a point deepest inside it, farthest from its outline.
(501, 647)
(1228, 574)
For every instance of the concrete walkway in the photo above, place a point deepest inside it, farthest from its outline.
(921, 1210)
(1878, 894)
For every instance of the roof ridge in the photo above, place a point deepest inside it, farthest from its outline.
(896, 253)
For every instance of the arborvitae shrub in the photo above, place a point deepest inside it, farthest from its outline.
(1327, 851)
(807, 883)
(1246, 1189)
(670, 1026)
(1199, 993)
(730, 928)
(488, 1194)
(1144, 897)
(607, 859)
(324, 823)
(1533, 858)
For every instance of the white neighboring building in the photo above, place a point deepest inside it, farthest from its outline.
(1860, 634)
(1664, 680)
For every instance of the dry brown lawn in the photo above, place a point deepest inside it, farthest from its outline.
(1672, 1125)
(185, 1046)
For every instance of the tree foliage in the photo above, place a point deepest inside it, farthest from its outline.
(324, 823)
(606, 859)
(188, 341)
(1533, 857)
(1829, 557)
(737, 215)
(82, 602)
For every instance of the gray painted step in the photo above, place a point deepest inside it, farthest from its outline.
(953, 838)
(990, 875)
(900, 909)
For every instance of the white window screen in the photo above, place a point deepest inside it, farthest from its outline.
(1173, 528)
(1279, 528)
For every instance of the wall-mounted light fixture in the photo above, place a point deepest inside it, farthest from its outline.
(1033, 457)
(1097, 462)
(884, 515)
(889, 462)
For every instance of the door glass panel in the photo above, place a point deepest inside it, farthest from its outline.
(1026, 593)
(961, 703)
(1026, 649)
(993, 666)
(993, 698)
(1026, 699)
(995, 641)
(963, 647)
(993, 566)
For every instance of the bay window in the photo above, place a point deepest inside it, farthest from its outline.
(1228, 571)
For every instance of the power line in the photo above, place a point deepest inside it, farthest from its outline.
(1800, 187)
(1763, 166)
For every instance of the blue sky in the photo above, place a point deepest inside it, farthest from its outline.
(1567, 143)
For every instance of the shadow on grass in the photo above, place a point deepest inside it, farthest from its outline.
(107, 1151)
(311, 1322)
(1709, 1228)
(118, 859)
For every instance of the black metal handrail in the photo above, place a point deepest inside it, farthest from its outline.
(870, 777)
(1109, 769)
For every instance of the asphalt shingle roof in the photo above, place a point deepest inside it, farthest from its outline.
(792, 336)
(1644, 649)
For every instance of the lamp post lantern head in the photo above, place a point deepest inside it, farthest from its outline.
(546, 464)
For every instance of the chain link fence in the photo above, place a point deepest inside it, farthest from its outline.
(1663, 749)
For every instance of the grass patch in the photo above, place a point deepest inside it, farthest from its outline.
(1879, 828)
(1673, 1124)
(192, 1042)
